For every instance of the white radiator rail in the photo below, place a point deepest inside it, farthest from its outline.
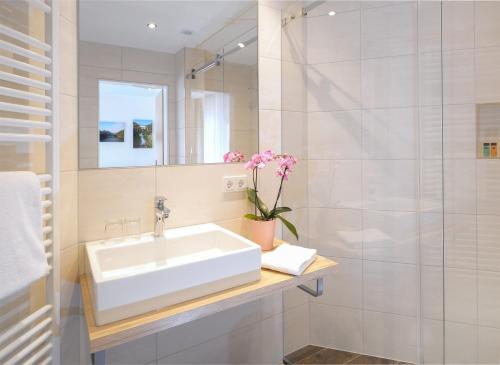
(21, 137)
(26, 81)
(23, 123)
(23, 66)
(34, 339)
(29, 40)
(10, 47)
(7, 91)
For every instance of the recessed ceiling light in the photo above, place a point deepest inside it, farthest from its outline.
(186, 32)
(241, 44)
(152, 25)
(331, 13)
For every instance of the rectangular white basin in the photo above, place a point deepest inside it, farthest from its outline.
(135, 275)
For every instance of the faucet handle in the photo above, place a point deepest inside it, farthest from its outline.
(160, 201)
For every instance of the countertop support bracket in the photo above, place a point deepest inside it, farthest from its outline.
(315, 293)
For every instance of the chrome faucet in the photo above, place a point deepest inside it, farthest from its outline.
(161, 213)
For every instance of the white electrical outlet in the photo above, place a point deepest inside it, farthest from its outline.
(234, 183)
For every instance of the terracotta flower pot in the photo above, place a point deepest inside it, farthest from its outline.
(263, 233)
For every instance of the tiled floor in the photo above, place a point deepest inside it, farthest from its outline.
(321, 355)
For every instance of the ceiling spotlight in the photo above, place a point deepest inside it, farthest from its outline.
(241, 44)
(331, 13)
(152, 25)
(186, 32)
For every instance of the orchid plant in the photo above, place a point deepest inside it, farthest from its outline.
(257, 162)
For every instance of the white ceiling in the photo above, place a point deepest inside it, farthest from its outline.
(123, 23)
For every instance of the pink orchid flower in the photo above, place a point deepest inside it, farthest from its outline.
(235, 156)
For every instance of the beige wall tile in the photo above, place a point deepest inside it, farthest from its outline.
(68, 10)
(269, 32)
(69, 209)
(269, 83)
(114, 193)
(68, 54)
(99, 55)
(148, 61)
(68, 133)
(195, 193)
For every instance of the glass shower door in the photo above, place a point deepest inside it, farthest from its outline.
(362, 82)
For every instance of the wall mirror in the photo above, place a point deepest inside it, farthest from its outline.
(166, 82)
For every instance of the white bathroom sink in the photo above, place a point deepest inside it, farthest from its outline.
(135, 275)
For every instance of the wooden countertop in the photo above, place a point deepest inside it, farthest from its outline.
(123, 331)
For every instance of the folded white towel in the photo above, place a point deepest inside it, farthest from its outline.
(289, 259)
(22, 257)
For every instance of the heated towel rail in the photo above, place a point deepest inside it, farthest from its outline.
(28, 118)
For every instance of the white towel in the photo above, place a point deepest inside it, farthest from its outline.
(289, 259)
(22, 256)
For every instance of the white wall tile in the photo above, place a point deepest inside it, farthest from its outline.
(460, 343)
(389, 185)
(296, 328)
(390, 287)
(269, 83)
(336, 327)
(431, 131)
(390, 236)
(431, 185)
(141, 351)
(334, 135)
(293, 87)
(390, 336)
(271, 336)
(336, 232)
(389, 133)
(269, 32)
(269, 130)
(389, 82)
(458, 77)
(460, 243)
(459, 131)
(431, 292)
(68, 44)
(334, 86)
(430, 78)
(458, 24)
(344, 287)
(431, 239)
(294, 133)
(488, 350)
(489, 298)
(487, 75)
(293, 48)
(389, 30)
(460, 186)
(461, 295)
(488, 250)
(432, 342)
(487, 25)
(488, 189)
(335, 183)
(333, 38)
(183, 337)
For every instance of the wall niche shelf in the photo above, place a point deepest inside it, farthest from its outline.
(487, 131)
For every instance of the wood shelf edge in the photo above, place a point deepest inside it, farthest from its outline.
(123, 331)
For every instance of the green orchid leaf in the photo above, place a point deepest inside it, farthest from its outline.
(252, 196)
(289, 225)
(279, 210)
(253, 217)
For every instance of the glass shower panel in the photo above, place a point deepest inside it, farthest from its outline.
(362, 81)
(471, 84)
